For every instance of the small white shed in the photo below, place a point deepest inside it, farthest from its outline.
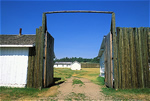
(76, 66)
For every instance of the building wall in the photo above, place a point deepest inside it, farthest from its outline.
(62, 66)
(13, 66)
(102, 66)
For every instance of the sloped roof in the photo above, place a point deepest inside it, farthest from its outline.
(17, 39)
(75, 62)
(63, 63)
(102, 48)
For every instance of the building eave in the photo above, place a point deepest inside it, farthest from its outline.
(102, 48)
(17, 45)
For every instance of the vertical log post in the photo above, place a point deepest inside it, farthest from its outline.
(148, 45)
(134, 73)
(114, 51)
(141, 59)
(111, 65)
(36, 59)
(119, 32)
(145, 56)
(129, 55)
(42, 60)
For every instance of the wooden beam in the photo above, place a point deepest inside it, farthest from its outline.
(141, 56)
(111, 64)
(79, 11)
(114, 51)
(44, 23)
(45, 62)
(119, 41)
(36, 57)
(129, 60)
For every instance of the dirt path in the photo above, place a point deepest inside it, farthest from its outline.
(86, 91)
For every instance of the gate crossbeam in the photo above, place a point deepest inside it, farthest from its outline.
(79, 11)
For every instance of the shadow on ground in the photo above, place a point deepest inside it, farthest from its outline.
(57, 81)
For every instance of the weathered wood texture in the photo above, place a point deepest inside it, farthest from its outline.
(31, 62)
(79, 11)
(90, 65)
(115, 64)
(108, 61)
(148, 31)
(35, 68)
(133, 58)
(40, 68)
(49, 56)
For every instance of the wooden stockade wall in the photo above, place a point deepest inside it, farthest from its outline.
(133, 56)
(149, 48)
(31, 65)
(40, 63)
(35, 62)
(90, 65)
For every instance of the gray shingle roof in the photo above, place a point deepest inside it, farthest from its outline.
(17, 40)
(63, 63)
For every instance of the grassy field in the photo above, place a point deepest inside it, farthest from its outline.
(60, 75)
(7, 93)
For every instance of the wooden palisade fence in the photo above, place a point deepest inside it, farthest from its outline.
(127, 57)
(127, 61)
(132, 58)
(89, 65)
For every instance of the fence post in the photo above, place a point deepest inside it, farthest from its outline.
(129, 56)
(141, 59)
(119, 32)
(29, 73)
(145, 56)
(134, 59)
(148, 45)
(114, 50)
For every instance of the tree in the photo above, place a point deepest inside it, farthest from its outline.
(80, 59)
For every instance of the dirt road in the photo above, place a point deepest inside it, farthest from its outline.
(85, 91)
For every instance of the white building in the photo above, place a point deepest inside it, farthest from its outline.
(101, 57)
(62, 64)
(14, 52)
(102, 66)
(76, 66)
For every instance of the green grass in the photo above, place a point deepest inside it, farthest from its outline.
(76, 96)
(89, 73)
(122, 93)
(15, 93)
(77, 81)
(109, 91)
(126, 94)
(99, 81)
(66, 73)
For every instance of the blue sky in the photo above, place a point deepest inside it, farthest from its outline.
(75, 34)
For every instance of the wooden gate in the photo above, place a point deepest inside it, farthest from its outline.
(108, 61)
(40, 64)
